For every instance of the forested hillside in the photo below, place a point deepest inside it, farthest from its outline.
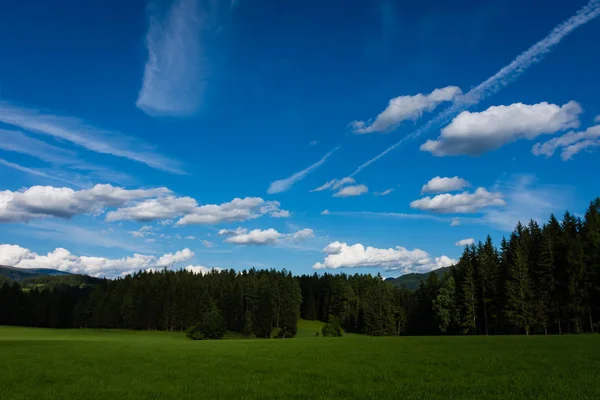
(18, 274)
(412, 281)
(541, 280)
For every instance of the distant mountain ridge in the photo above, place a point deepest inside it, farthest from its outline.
(412, 281)
(19, 274)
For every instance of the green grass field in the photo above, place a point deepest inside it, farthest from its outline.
(96, 364)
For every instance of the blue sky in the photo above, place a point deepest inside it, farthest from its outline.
(183, 106)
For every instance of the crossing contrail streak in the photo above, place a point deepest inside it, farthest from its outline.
(503, 77)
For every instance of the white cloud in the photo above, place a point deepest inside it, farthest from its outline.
(207, 244)
(455, 222)
(464, 202)
(571, 143)
(255, 237)
(166, 222)
(198, 269)
(314, 142)
(325, 212)
(334, 184)
(384, 193)
(229, 232)
(139, 234)
(465, 242)
(176, 70)
(62, 260)
(236, 210)
(597, 119)
(46, 201)
(575, 148)
(444, 262)
(474, 133)
(502, 78)
(280, 214)
(283, 185)
(153, 209)
(341, 255)
(49, 201)
(354, 190)
(242, 236)
(170, 259)
(190, 237)
(81, 134)
(439, 185)
(406, 108)
(303, 234)
(344, 187)
(144, 231)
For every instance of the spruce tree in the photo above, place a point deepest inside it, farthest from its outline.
(518, 288)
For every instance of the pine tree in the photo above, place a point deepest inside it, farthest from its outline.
(445, 306)
(575, 268)
(591, 243)
(487, 276)
(469, 293)
(518, 288)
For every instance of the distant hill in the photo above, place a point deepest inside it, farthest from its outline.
(46, 278)
(411, 281)
(19, 274)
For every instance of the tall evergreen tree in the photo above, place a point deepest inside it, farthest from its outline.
(518, 287)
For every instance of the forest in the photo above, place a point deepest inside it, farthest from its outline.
(540, 280)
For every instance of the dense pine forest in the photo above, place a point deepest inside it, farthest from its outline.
(540, 280)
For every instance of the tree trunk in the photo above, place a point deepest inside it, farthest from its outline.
(591, 321)
(559, 327)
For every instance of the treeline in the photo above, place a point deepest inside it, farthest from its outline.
(541, 280)
(49, 307)
(256, 302)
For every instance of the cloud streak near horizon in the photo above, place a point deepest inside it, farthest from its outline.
(503, 77)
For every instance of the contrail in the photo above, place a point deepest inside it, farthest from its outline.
(503, 77)
(284, 184)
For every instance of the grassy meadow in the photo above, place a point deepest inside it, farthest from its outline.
(111, 364)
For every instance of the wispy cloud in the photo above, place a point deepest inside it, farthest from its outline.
(36, 172)
(370, 214)
(384, 193)
(86, 236)
(285, 184)
(84, 135)
(175, 73)
(503, 77)
(17, 142)
(526, 199)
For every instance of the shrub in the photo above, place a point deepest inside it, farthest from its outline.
(212, 326)
(332, 328)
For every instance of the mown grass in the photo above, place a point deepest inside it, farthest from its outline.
(93, 364)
